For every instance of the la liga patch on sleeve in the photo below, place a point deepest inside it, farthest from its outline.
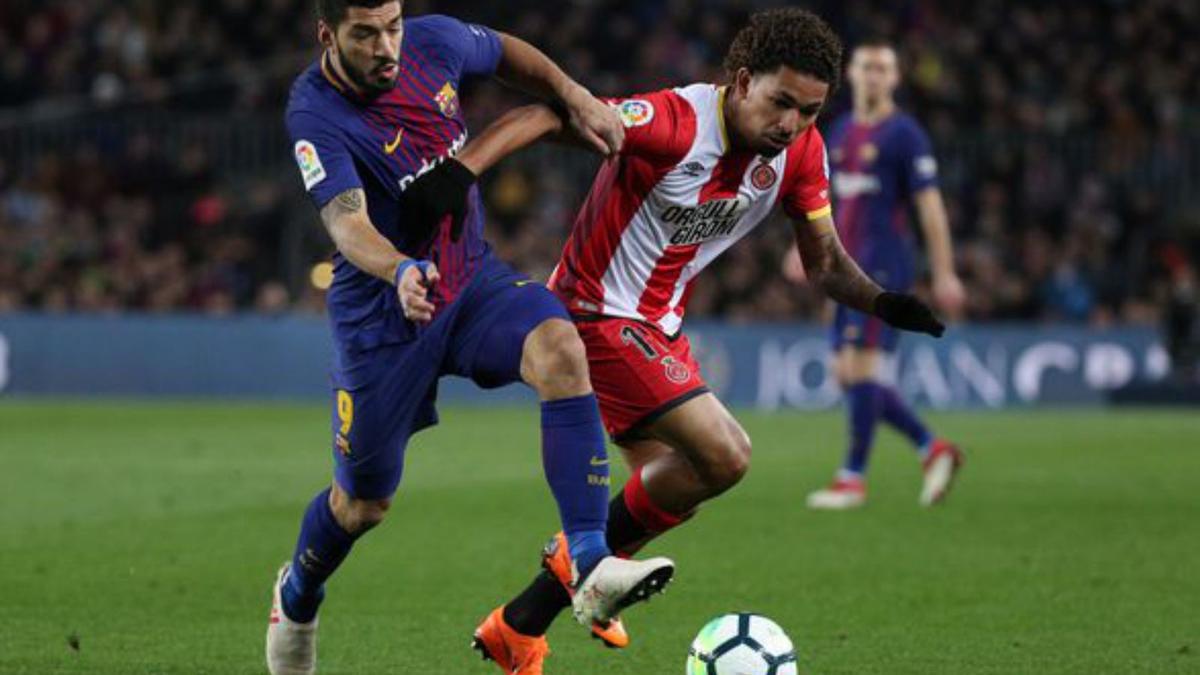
(311, 169)
(926, 166)
(636, 112)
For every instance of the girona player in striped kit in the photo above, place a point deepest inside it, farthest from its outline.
(701, 166)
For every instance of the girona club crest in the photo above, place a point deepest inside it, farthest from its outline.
(763, 177)
(676, 371)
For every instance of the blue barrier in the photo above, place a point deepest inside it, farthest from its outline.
(768, 366)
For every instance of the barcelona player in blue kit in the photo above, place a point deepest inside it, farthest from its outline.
(412, 301)
(882, 162)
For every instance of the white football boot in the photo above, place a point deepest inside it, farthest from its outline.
(617, 583)
(291, 646)
(842, 495)
(940, 466)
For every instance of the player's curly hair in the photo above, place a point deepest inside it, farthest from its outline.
(790, 37)
(333, 12)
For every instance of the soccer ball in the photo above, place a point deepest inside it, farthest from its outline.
(742, 644)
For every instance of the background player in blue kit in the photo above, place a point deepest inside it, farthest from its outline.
(409, 303)
(882, 163)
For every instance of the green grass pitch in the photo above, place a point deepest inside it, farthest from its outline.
(143, 538)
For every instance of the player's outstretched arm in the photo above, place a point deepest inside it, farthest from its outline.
(346, 219)
(830, 267)
(525, 67)
(442, 191)
(931, 212)
(516, 129)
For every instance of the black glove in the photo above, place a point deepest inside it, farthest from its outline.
(907, 313)
(435, 194)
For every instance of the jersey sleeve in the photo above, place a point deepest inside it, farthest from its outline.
(919, 168)
(325, 163)
(806, 192)
(477, 47)
(660, 125)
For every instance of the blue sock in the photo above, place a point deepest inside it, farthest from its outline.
(898, 414)
(322, 546)
(864, 403)
(575, 460)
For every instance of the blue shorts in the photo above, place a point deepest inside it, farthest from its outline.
(864, 331)
(384, 395)
(854, 328)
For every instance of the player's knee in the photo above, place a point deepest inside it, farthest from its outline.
(854, 366)
(843, 370)
(729, 464)
(737, 458)
(555, 361)
(846, 380)
(841, 374)
(366, 514)
(356, 516)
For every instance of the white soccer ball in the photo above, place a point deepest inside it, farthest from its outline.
(742, 644)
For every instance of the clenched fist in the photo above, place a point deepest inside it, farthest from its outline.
(414, 278)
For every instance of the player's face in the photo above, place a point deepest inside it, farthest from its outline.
(367, 46)
(771, 109)
(873, 73)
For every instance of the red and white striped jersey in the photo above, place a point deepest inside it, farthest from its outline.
(672, 201)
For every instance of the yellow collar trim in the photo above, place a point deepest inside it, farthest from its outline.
(721, 118)
(331, 77)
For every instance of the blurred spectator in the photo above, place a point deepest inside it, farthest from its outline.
(1068, 133)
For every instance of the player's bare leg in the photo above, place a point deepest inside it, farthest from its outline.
(709, 453)
(858, 370)
(554, 363)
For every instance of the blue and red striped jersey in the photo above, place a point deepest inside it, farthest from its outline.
(876, 169)
(343, 141)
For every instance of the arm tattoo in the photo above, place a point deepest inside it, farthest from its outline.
(348, 224)
(350, 200)
(836, 272)
(850, 285)
(347, 203)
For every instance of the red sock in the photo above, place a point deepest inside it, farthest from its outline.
(634, 519)
(643, 508)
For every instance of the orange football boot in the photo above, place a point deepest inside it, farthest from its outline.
(517, 654)
(556, 558)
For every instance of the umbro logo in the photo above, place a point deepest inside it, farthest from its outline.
(693, 169)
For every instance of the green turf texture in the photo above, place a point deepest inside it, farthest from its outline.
(143, 538)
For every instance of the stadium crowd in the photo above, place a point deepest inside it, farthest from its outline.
(1069, 135)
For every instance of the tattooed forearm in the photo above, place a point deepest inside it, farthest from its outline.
(848, 284)
(831, 268)
(350, 227)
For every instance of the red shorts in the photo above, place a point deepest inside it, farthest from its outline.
(639, 374)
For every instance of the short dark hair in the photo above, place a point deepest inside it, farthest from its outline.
(333, 12)
(790, 37)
